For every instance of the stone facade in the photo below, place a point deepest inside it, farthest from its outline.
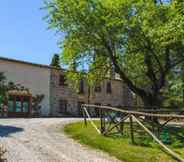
(118, 96)
(61, 93)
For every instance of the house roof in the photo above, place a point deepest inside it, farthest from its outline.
(28, 63)
(37, 65)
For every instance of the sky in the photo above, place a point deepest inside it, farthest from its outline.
(24, 35)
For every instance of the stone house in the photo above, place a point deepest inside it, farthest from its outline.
(59, 99)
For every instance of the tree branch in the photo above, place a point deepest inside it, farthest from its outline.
(118, 70)
(149, 48)
(150, 72)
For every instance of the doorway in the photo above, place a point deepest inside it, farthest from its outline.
(19, 105)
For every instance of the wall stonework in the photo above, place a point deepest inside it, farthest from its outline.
(61, 93)
(120, 95)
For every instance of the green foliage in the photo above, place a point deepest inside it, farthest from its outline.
(142, 40)
(2, 88)
(55, 61)
(2, 77)
(18, 87)
(36, 102)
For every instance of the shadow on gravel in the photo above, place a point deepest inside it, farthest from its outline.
(5, 131)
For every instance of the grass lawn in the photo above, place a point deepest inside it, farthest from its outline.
(121, 147)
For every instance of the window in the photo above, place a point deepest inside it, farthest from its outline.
(11, 104)
(63, 106)
(18, 104)
(62, 80)
(25, 104)
(98, 88)
(109, 88)
(81, 86)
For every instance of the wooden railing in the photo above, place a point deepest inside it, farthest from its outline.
(112, 119)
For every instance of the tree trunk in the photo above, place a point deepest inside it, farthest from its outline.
(152, 102)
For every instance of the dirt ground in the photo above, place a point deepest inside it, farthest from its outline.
(41, 140)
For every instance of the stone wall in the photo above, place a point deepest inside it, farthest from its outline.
(61, 93)
(119, 96)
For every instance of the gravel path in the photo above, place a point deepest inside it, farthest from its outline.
(39, 140)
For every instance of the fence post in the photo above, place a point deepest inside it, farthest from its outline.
(84, 115)
(121, 127)
(131, 129)
(102, 129)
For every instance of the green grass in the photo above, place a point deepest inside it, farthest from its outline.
(121, 147)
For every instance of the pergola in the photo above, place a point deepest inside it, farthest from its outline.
(19, 103)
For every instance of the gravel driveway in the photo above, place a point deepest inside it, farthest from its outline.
(39, 140)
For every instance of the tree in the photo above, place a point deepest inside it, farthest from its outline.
(142, 40)
(55, 61)
(2, 88)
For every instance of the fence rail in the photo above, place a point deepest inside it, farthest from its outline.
(144, 112)
(112, 119)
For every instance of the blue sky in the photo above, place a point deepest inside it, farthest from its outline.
(23, 32)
